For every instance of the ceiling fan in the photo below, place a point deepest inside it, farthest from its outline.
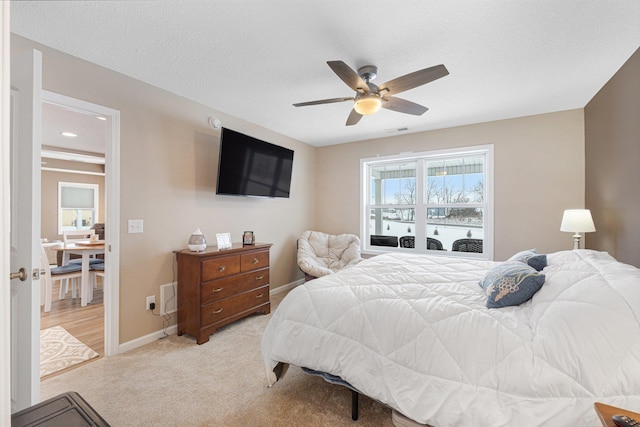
(369, 98)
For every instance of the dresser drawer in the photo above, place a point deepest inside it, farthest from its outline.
(218, 310)
(220, 267)
(223, 288)
(254, 261)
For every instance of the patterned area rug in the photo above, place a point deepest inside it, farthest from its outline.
(59, 350)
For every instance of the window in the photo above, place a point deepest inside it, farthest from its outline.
(77, 206)
(429, 202)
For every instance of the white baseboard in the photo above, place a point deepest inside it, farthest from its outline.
(149, 338)
(286, 288)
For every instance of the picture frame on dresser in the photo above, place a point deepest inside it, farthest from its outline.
(247, 238)
(224, 240)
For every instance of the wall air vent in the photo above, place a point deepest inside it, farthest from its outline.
(396, 130)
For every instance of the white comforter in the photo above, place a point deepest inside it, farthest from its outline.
(413, 332)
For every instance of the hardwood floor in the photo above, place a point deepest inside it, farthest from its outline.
(84, 323)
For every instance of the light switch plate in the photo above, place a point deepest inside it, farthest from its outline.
(135, 226)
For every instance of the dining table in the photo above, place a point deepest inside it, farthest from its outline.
(87, 249)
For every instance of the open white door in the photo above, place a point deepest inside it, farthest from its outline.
(5, 267)
(25, 140)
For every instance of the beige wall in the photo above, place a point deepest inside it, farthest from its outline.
(49, 199)
(612, 144)
(168, 167)
(539, 172)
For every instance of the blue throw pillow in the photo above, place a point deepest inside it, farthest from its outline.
(511, 283)
(532, 258)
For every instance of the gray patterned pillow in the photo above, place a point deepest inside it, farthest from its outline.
(531, 257)
(511, 283)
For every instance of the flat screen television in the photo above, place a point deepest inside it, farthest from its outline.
(251, 167)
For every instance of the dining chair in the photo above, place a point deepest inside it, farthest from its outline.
(467, 245)
(432, 244)
(97, 270)
(72, 236)
(407, 242)
(380, 240)
(48, 275)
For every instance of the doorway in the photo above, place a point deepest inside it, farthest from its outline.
(106, 144)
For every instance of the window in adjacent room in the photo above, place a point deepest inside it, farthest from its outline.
(429, 202)
(77, 205)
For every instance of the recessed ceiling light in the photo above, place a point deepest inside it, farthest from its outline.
(69, 134)
(101, 118)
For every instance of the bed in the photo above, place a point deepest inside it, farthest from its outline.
(414, 332)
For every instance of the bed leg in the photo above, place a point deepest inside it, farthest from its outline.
(354, 405)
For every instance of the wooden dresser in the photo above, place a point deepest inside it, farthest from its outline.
(217, 287)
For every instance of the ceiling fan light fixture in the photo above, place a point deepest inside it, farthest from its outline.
(367, 104)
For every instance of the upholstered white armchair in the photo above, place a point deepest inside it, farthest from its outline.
(320, 254)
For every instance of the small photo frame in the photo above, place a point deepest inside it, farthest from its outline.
(224, 240)
(247, 238)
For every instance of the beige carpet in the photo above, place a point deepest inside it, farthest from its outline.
(175, 382)
(59, 350)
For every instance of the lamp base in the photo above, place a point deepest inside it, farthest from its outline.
(576, 241)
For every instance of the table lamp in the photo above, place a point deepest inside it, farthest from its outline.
(577, 221)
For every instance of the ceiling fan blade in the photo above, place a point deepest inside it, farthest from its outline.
(354, 118)
(322, 101)
(350, 77)
(415, 79)
(403, 106)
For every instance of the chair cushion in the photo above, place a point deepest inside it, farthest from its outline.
(91, 261)
(64, 269)
(320, 254)
(99, 266)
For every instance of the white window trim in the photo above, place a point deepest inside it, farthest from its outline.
(96, 199)
(488, 244)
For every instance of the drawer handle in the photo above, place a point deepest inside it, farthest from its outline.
(259, 296)
(218, 311)
(259, 277)
(256, 260)
(221, 268)
(213, 291)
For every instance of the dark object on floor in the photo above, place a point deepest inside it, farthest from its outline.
(65, 410)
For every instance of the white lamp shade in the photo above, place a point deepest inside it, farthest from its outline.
(577, 221)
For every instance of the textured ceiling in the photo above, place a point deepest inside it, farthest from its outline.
(254, 58)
